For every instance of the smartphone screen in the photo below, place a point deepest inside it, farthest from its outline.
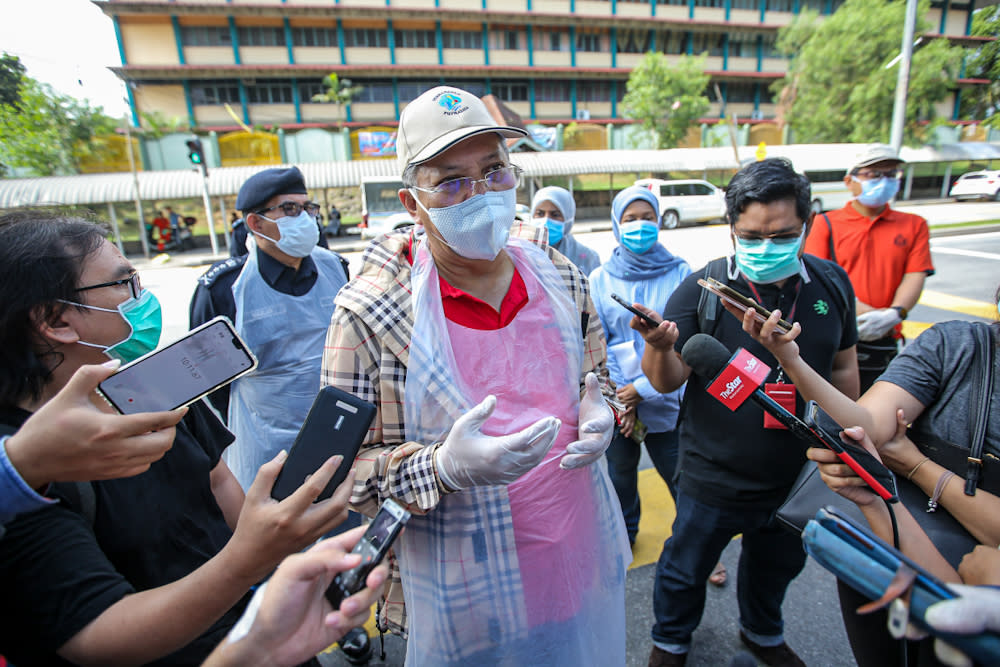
(635, 311)
(372, 547)
(182, 372)
(731, 296)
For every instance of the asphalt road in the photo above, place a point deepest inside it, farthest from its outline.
(963, 288)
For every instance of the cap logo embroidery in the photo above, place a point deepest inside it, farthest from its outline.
(452, 104)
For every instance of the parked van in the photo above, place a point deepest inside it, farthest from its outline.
(686, 201)
(381, 210)
(828, 189)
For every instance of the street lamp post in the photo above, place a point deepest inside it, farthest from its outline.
(903, 81)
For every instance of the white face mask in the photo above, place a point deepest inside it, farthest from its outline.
(477, 228)
(299, 235)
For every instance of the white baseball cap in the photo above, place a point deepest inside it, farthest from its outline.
(439, 119)
(874, 154)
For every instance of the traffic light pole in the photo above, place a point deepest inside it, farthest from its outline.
(208, 212)
(903, 80)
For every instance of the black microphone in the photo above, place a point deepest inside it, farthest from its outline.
(732, 378)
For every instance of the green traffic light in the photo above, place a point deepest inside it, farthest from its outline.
(195, 158)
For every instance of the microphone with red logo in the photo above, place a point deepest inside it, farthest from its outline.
(737, 377)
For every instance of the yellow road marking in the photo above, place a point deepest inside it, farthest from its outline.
(657, 518)
(958, 304)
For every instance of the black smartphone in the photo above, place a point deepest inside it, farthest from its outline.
(743, 302)
(373, 546)
(875, 474)
(204, 359)
(336, 424)
(628, 306)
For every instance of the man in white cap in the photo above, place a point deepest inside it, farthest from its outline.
(885, 252)
(482, 349)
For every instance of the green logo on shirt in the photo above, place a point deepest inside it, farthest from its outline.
(821, 307)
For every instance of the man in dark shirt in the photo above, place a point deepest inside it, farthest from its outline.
(150, 568)
(734, 470)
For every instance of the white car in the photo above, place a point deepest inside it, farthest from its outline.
(686, 201)
(977, 185)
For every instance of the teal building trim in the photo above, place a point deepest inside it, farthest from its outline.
(944, 16)
(234, 37)
(439, 42)
(176, 25)
(297, 99)
(340, 42)
(486, 45)
(288, 39)
(391, 36)
(188, 103)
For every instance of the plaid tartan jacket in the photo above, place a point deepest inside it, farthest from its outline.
(366, 354)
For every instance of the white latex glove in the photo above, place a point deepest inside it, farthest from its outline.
(877, 324)
(977, 610)
(468, 457)
(597, 425)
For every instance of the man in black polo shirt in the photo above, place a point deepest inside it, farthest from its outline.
(734, 471)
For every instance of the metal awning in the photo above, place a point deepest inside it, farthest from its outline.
(91, 189)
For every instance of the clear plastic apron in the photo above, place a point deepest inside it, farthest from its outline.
(531, 573)
(287, 334)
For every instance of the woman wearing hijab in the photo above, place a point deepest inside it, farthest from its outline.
(555, 209)
(640, 270)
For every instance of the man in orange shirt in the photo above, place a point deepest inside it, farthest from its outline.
(886, 254)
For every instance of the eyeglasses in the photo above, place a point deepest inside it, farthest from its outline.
(134, 285)
(873, 174)
(312, 208)
(291, 208)
(780, 239)
(455, 190)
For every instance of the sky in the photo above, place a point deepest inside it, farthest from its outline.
(66, 43)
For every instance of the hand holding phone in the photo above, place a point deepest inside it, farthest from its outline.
(878, 477)
(641, 315)
(203, 360)
(336, 424)
(744, 303)
(373, 546)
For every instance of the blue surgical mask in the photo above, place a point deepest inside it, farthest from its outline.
(144, 318)
(877, 192)
(556, 228)
(638, 236)
(299, 235)
(477, 228)
(766, 261)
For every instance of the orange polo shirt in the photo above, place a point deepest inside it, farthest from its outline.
(875, 253)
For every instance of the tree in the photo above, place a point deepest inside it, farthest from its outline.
(11, 75)
(838, 89)
(983, 102)
(338, 91)
(667, 98)
(45, 132)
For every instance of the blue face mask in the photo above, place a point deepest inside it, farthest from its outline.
(766, 261)
(638, 236)
(878, 191)
(556, 228)
(146, 321)
(299, 235)
(477, 228)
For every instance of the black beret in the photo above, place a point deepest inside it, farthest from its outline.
(260, 187)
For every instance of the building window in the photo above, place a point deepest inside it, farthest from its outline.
(712, 42)
(415, 39)
(633, 41)
(588, 41)
(747, 4)
(274, 92)
(593, 91)
(552, 91)
(770, 49)
(742, 45)
(215, 92)
(740, 91)
(547, 39)
(324, 37)
(672, 42)
(510, 91)
(780, 5)
(709, 3)
(672, 2)
(204, 35)
(475, 86)
(261, 36)
(509, 40)
(374, 91)
(462, 39)
(366, 38)
(815, 5)
(411, 90)
(308, 89)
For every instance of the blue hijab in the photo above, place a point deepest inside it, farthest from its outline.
(624, 263)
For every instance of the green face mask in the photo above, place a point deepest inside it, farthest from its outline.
(146, 321)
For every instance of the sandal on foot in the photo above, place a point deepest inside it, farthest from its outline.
(719, 575)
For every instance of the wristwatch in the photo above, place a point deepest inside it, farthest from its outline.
(903, 312)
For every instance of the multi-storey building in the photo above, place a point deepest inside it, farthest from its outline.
(548, 60)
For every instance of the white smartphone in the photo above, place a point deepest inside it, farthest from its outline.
(206, 358)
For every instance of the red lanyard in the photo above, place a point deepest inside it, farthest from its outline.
(791, 314)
